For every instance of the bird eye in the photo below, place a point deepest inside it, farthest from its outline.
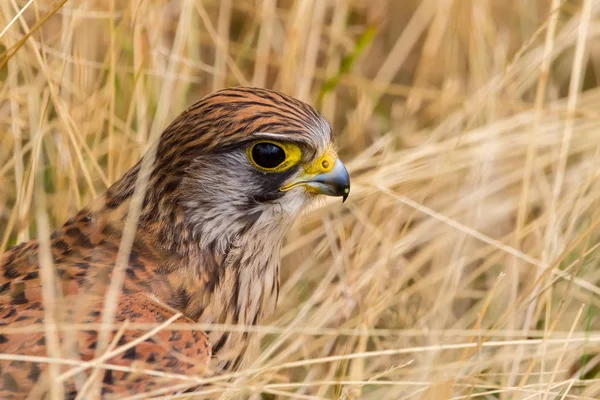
(267, 155)
(271, 156)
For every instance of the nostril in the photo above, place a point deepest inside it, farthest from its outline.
(325, 164)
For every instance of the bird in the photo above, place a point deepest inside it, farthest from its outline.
(224, 184)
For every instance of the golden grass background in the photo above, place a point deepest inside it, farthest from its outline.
(465, 262)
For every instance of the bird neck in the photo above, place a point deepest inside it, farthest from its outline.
(217, 268)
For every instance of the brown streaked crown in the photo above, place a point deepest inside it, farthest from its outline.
(230, 116)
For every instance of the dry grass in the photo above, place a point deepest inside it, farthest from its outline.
(464, 264)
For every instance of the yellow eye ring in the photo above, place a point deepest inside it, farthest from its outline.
(272, 156)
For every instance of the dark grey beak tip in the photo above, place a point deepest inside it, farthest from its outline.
(345, 195)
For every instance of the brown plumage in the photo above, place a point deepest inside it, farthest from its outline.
(231, 174)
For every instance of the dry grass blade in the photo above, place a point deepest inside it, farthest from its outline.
(50, 286)
(111, 353)
(15, 18)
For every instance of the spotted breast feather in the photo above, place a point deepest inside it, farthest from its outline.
(84, 253)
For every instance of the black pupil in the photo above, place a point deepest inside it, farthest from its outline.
(267, 155)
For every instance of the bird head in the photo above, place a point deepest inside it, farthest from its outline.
(241, 161)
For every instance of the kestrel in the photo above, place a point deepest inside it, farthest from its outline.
(229, 177)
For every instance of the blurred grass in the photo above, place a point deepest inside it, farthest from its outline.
(459, 265)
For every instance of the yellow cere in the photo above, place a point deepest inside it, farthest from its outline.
(293, 155)
(322, 164)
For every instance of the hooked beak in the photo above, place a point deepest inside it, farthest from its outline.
(327, 176)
